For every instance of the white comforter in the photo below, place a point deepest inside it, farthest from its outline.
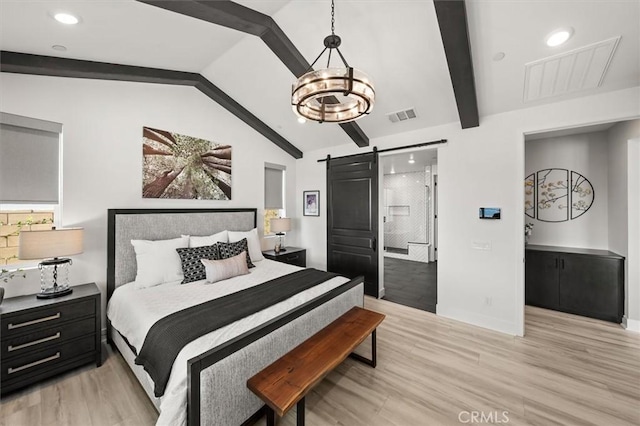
(132, 312)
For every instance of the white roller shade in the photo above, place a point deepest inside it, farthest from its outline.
(273, 186)
(29, 160)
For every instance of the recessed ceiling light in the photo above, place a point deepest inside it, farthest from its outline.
(59, 48)
(559, 36)
(411, 160)
(301, 120)
(393, 172)
(66, 18)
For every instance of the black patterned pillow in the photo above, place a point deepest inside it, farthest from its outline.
(192, 268)
(227, 250)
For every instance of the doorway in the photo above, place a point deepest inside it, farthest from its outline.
(408, 212)
(577, 200)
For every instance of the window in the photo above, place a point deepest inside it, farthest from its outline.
(274, 190)
(12, 221)
(29, 179)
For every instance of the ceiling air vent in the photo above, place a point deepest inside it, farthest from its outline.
(578, 69)
(402, 115)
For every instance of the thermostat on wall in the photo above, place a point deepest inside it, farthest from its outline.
(489, 213)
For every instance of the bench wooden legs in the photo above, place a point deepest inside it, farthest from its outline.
(374, 353)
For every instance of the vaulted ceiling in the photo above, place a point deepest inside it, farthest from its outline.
(397, 42)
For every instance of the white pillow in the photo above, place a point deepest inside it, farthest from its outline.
(218, 270)
(220, 237)
(158, 261)
(253, 242)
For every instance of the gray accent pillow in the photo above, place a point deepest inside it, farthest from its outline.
(227, 250)
(192, 268)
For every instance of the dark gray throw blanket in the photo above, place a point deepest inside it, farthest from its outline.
(169, 335)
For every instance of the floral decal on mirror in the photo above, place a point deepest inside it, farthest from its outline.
(557, 195)
(581, 195)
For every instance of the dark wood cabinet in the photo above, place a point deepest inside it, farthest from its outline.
(293, 256)
(542, 279)
(577, 281)
(44, 337)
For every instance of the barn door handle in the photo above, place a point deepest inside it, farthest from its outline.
(374, 244)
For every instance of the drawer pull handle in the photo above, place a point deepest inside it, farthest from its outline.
(34, 363)
(292, 257)
(35, 342)
(35, 321)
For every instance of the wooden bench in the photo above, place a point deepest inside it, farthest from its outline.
(287, 381)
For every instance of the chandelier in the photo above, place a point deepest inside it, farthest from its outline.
(334, 95)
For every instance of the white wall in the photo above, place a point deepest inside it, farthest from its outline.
(624, 214)
(102, 153)
(477, 167)
(586, 154)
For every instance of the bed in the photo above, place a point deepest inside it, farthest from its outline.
(208, 379)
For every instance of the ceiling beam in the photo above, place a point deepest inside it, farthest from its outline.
(215, 93)
(235, 16)
(452, 19)
(23, 63)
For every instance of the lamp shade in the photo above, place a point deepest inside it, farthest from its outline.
(282, 224)
(50, 243)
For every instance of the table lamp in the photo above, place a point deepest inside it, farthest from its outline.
(280, 226)
(49, 245)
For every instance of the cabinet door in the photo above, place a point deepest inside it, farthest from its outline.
(590, 285)
(541, 279)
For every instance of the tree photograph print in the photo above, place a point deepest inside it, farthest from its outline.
(184, 167)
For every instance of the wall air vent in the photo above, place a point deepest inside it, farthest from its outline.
(404, 115)
(578, 69)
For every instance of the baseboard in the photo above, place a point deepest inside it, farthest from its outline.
(631, 325)
(479, 320)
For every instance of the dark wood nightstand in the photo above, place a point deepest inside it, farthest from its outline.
(293, 256)
(44, 337)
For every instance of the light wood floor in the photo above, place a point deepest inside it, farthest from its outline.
(568, 370)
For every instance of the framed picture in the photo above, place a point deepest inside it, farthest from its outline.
(311, 203)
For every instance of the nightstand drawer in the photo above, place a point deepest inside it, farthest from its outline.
(293, 256)
(45, 317)
(36, 341)
(45, 359)
(298, 258)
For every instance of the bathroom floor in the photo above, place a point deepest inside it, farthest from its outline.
(411, 283)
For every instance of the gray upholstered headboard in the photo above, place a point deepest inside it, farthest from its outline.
(161, 224)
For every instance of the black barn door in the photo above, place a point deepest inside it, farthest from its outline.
(352, 218)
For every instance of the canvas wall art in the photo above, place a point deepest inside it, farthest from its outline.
(184, 167)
